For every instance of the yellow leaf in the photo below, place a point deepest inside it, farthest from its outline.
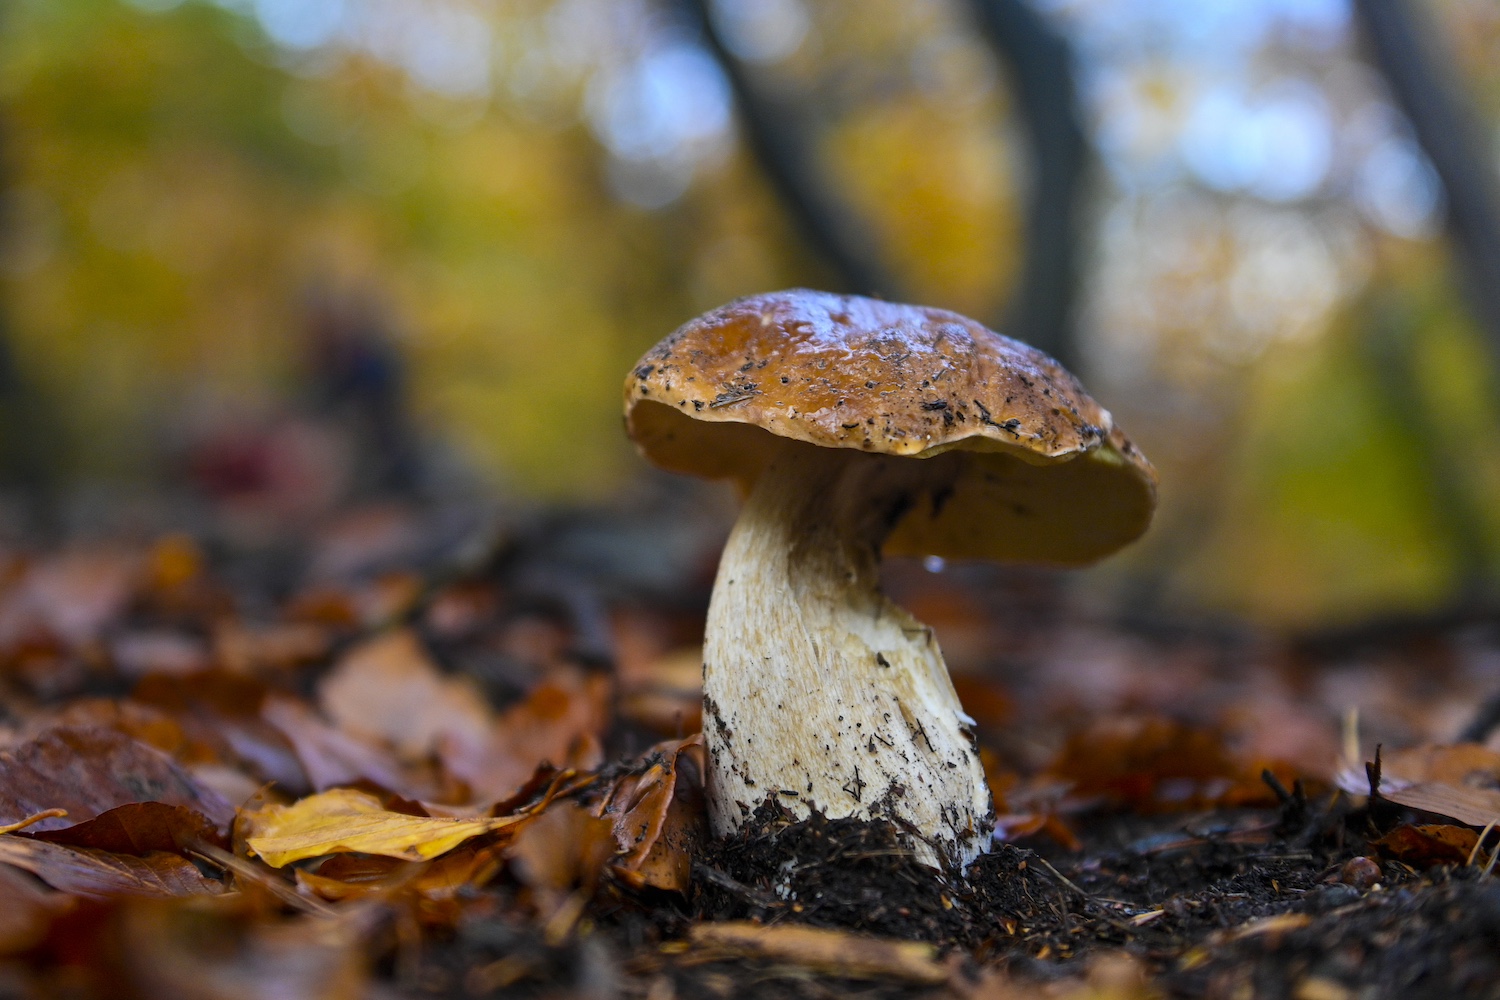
(346, 821)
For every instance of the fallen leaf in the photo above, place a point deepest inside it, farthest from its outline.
(89, 771)
(85, 871)
(561, 849)
(558, 723)
(834, 952)
(1426, 846)
(1460, 781)
(345, 820)
(1157, 764)
(388, 689)
(352, 876)
(665, 694)
(225, 950)
(332, 757)
(139, 828)
(219, 715)
(28, 911)
(72, 596)
(659, 816)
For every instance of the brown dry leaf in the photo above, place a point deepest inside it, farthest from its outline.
(1461, 781)
(72, 596)
(665, 694)
(224, 949)
(345, 820)
(1156, 764)
(219, 715)
(559, 723)
(345, 876)
(833, 952)
(561, 849)
(28, 911)
(659, 816)
(89, 771)
(141, 722)
(1425, 846)
(1110, 976)
(332, 757)
(85, 871)
(139, 828)
(266, 649)
(388, 689)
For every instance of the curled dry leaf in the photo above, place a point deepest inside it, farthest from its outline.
(345, 820)
(85, 871)
(834, 952)
(1461, 781)
(659, 816)
(89, 771)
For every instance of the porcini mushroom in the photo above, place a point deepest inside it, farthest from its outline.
(858, 426)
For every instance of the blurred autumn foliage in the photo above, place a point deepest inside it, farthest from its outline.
(500, 205)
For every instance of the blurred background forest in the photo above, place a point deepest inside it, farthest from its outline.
(278, 255)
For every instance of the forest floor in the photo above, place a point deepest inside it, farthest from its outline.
(408, 756)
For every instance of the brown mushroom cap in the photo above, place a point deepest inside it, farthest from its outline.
(1038, 471)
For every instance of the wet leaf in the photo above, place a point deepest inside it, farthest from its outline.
(344, 820)
(85, 871)
(89, 771)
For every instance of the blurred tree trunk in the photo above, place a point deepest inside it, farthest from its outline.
(30, 452)
(1040, 65)
(1451, 134)
(1039, 62)
(786, 155)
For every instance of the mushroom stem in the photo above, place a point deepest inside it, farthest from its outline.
(818, 692)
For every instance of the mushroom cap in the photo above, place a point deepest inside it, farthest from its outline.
(1026, 465)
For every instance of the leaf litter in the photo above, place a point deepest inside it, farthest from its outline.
(406, 783)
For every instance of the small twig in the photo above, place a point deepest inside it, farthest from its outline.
(1274, 783)
(731, 884)
(34, 818)
(220, 858)
(1372, 775)
(1061, 877)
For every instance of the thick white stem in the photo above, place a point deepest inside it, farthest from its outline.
(818, 692)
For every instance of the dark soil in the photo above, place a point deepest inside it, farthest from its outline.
(1242, 904)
